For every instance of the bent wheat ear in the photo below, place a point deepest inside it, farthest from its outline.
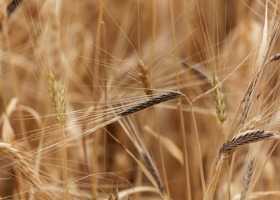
(151, 102)
(245, 138)
(21, 163)
(154, 172)
(12, 6)
(274, 57)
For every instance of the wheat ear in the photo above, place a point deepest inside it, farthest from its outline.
(247, 179)
(151, 102)
(247, 137)
(12, 6)
(145, 78)
(219, 99)
(58, 97)
(274, 57)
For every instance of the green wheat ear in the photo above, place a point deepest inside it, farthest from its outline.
(220, 100)
(58, 97)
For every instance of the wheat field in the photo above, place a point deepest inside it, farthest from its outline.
(139, 99)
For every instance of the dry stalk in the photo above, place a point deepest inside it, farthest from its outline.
(214, 178)
(3, 14)
(58, 98)
(114, 195)
(140, 146)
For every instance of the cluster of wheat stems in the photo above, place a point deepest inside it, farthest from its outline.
(139, 99)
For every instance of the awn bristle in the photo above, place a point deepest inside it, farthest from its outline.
(251, 124)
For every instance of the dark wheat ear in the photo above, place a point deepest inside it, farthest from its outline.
(12, 6)
(274, 57)
(247, 179)
(151, 102)
(247, 137)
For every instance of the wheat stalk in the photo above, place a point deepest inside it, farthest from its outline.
(58, 98)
